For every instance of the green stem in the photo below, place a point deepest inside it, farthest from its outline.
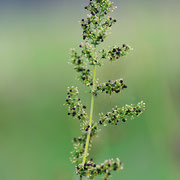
(80, 177)
(90, 119)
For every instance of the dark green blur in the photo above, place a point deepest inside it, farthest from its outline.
(35, 131)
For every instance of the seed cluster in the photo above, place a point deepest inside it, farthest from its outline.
(122, 114)
(111, 86)
(79, 63)
(89, 52)
(96, 25)
(75, 108)
(91, 169)
(115, 52)
(101, 7)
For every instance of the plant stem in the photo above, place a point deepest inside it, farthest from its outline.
(80, 177)
(90, 119)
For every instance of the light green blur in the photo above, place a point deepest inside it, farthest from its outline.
(35, 131)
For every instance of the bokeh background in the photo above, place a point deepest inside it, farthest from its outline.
(36, 133)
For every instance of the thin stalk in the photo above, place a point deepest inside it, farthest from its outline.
(90, 119)
(80, 178)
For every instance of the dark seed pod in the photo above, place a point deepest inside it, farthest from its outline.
(123, 120)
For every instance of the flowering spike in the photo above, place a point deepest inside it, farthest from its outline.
(95, 29)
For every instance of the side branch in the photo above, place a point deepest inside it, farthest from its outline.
(91, 170)
(122, 114)
(75, 107)
(80, 67)
(115, 52)
(79, 145)
(111, 86)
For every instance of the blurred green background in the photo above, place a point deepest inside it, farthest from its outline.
(36, 133)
